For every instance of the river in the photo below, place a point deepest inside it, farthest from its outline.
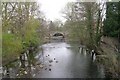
(70, 62)
(64, 60)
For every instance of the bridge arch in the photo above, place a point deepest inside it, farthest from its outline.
(58, 34)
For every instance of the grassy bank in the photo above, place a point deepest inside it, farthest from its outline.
(109, 56)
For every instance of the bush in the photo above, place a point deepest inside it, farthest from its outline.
(11, 47)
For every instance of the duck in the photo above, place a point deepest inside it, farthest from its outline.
(49, 69)
(50, 65)
(45, 68)
(50, 61)
(56, 61)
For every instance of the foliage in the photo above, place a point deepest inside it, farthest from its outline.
(83, 22)
(11, 45)
(31, 36)
(20, 30)
(111, 23)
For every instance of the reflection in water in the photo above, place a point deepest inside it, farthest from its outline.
(25, 67)
(80, 50)
(94, 57)
(71, 64)
(59, 60)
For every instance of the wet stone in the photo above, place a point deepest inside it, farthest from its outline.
(41, 66)
(17, 75)
(25, 72)
(33, 75)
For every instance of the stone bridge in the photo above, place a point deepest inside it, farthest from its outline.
(57, 35)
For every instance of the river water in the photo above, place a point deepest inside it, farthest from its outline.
(63, 60)
(68, 62)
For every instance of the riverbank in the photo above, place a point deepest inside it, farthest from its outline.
(19, 66)
(109, 56)
(13, 58)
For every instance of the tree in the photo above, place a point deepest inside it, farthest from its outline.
(84, 22)
(20, 26)
(111, 23)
